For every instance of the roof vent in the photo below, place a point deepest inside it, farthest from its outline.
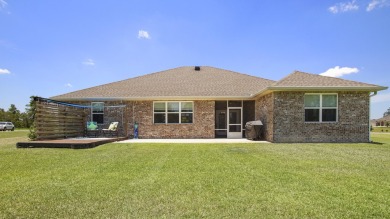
(197, 68)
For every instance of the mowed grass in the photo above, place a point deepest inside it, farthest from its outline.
(197, 180)
(381, 129)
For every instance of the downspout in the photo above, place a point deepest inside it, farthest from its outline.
(369, 115)
(132, 125)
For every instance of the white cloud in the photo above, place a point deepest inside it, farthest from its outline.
(143, 34)
(89, 62)
(377, 4)
(3, 3)
(4, 71)
(68, 85)
(381, 98)
(343, 7)
(339, 72)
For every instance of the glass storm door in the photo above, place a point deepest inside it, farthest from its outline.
(234, 123)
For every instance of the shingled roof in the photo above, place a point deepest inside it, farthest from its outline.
(175, 84)
(306, 81)
(184, 83)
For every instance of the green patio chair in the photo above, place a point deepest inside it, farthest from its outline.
(92, 129)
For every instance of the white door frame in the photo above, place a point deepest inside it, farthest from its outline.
(233, 134)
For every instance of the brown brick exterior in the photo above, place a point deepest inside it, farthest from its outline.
(282, 114)
(112, 113)
(202, 126)
(352, 125)
(142, 112)
(264, 112)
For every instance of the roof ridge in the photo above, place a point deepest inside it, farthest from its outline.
(235, 72)
(285, 77)
(212, 81)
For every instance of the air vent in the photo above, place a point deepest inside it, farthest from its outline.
(197, 68)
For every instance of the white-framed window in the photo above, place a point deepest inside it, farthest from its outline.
(321, 107)
(173, 112)
(97, 110)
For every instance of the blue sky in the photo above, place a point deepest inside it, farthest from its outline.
(53, 47)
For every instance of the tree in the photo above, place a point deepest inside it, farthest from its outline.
(20, 120)
(13, 115)
(2, 115)
(387, 112)
(31, 108)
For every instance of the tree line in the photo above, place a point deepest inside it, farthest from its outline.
(387, 112)
(19, 119)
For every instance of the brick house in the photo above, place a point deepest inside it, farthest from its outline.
(382, 121)
(208, 102)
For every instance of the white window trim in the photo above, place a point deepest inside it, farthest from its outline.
(92, 113)
(320, 108)
(180, 112)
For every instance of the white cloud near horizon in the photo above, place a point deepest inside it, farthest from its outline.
(68, 85)
(339, 72)
(89, 62)
(142, 34)
(4, 71)
(344, 7)
(377, 4)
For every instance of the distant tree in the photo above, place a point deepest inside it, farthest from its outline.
(19, 119)
(2, 115)
(387, 112)
(30, 112)
(13, 115)
(28, 116)
(387, 124)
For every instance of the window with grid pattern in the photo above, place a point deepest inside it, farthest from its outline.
(321, 107)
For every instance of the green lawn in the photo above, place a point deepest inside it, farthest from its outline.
(381, 129)
(191, 181)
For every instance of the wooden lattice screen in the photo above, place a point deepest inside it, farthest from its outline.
(55, 121)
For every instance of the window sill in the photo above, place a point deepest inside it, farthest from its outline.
(173, 123)
(321, 122)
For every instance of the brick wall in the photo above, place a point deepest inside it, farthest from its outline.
(264, 112)
(111, 114)
(352, 125)
(142, 113)
(202, 126)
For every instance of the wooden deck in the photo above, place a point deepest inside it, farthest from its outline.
(74, 143)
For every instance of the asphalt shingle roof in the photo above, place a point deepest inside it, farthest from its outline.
(180, 82)
(209, 82)
(304, 80)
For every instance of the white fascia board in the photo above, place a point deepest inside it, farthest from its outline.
(326, 88)
(165, 98)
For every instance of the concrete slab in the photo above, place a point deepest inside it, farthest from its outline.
(192, 141)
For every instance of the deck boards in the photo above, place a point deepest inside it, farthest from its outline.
(73, 143)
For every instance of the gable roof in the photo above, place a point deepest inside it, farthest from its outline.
(175, 84)
(306, 81)
(385, 118)
(184, 83)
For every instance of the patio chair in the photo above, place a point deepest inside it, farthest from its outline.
(92, 129)
(112, 129)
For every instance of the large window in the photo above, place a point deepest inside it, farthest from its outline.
(321, 107)
(98, 112)
(173, 112)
